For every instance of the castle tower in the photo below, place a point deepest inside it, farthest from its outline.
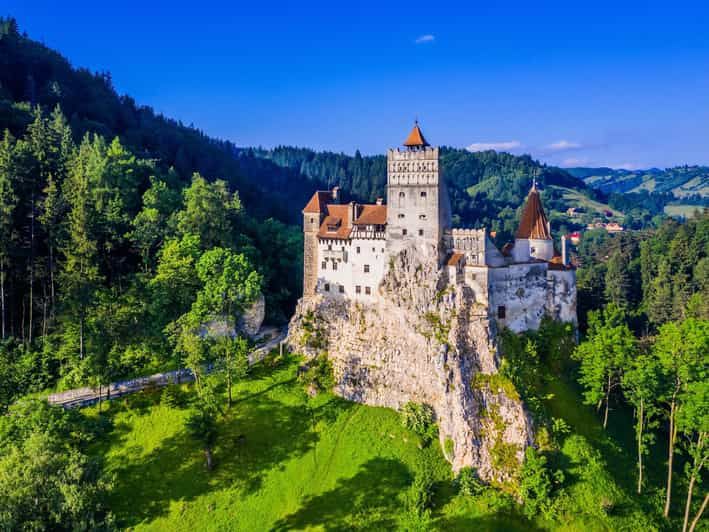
(533, 239)
(313, 215)
(418, 208)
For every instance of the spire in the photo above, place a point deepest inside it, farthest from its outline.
(533, 223)
(415, 138)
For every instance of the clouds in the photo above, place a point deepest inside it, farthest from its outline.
(562, 145)
(423, 39)
(497, 146)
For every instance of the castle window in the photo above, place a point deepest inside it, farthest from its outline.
(422, 216)
(366, 268)
(404, 232)
(367, 290)
(374, 250)
(358, 289)
(327, 287)
(357, 249)
(323, 266)
(401, 215)
(334, 265)
(329, 247)
(423, 194)
(501, 312)
(312, 220)
(420, 232)
(342, 289)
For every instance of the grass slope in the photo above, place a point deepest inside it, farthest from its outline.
(283, 462)
(289, 462)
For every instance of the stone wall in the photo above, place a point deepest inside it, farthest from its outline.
(425, 341)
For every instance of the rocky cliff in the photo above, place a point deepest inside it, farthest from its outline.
(428, 342)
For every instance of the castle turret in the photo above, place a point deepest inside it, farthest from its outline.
(418, 205)
(313, 215)
(533, 239)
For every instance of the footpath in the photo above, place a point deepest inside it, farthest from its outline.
(269, 338)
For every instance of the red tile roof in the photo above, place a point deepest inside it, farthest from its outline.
(416, 138)
(371, 215)
(338, 217)
(318, 202)
(533, 223)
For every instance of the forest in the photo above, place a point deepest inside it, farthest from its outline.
(122, 232)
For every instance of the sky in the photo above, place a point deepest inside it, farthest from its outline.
(574, 83)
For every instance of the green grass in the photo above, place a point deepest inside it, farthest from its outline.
(682, 210)
(575, 199)
(282, 462)
(288, 462)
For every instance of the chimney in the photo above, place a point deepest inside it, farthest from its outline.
(564, 251)
(380, 201)
(352, 211)
(335, 194)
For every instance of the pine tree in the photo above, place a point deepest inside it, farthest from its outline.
(8, 200)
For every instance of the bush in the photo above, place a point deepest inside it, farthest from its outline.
(535, 484)
(318, 375)
(419, 418)
(172, 396)
(468, 482)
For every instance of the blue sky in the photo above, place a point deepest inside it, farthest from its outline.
(624, 84)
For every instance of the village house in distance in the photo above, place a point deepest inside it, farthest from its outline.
(348, 246)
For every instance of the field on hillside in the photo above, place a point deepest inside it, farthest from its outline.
(575, 199)
(686, 211)
(285, 461)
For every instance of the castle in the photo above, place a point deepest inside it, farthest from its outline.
(348, 247)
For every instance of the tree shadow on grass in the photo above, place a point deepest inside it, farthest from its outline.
(491, 523)
(253, 440)
(368, 500)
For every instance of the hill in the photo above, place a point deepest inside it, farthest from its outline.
(685, 182)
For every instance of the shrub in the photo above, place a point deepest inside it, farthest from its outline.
(319, 375)
(171, 396)
(535, 483)
(468, 482)
(419, 418)
(449, 448)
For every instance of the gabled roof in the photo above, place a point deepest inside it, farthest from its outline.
(317, 203)
(337, 216)
(415, 138)
(533, 223)
(372, 215)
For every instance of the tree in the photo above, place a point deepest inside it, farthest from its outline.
(46, 480)
(8, 200)
(232, 354)
(210, 211)
(641, 385)
(80, 274)
(693, 424)
(681, 348)
(604, 355)
(229, 284)
(202, 421)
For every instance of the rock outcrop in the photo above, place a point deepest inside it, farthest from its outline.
(425, 341)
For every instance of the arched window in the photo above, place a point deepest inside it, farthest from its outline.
(402, 197)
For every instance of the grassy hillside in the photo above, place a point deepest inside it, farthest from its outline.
(681, 181)
(286, 461)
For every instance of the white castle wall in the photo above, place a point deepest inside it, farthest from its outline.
(521, 289)
(350, 258)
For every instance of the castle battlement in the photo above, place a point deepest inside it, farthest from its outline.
(348, 247)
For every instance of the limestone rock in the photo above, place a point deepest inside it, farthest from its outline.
(423, 340)
(251, 320)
